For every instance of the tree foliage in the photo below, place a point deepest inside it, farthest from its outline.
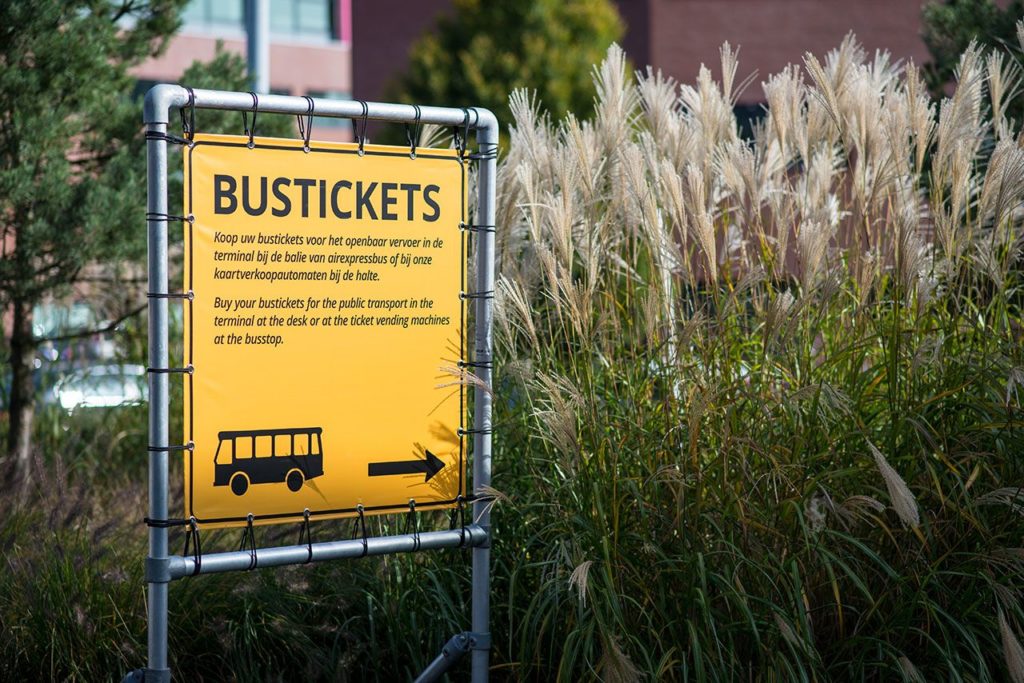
(951, 25)
(69, 141)
(484, 50)
(66, 143)
(72, 158)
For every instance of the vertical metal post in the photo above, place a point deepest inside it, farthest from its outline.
(257, 30)
(487, 143)
(156, 161)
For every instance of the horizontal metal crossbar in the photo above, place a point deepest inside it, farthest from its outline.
(216, 563)
(162, 98)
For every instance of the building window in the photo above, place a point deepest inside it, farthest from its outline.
(214, 14)
(303, 19)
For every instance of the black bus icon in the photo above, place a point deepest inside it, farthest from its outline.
(268, 456)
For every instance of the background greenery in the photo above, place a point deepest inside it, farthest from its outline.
(484, 50)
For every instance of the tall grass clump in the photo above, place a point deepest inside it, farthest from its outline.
(73, 596)
(759, 401)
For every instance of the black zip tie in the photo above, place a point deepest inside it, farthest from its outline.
(248, 535)
(187, 370)
(412, 132)
(245, 120)
(465, 132)
(190, 446)
(412, 521)
(477, 228)
(485, 152)
(189, 295)
(192, 534)
(168, 217)
(460, 140)
(164, 523)
(188, 128)
(305, 128)
(361, 137)
(359, 526)
(460, 511)
(462, 520)
(483, 364)
(457, 142)
(486, 294)
(173, 139)
(304, 530)
(466, 432)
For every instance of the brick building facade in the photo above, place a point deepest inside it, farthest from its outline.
(310, 49)
(675, 36)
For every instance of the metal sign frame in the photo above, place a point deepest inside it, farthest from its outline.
(161, 567)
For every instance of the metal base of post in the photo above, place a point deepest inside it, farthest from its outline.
(450, 655)
(452, 652)
(147, 676)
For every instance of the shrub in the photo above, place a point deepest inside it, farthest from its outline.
(483, 50)
(761, 410)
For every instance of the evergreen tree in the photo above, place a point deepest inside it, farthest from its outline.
(73, 162)
(951, 25)
(68, 138)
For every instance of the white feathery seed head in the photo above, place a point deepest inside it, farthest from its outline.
(900, 496)
(1012, 650)
(579, 580)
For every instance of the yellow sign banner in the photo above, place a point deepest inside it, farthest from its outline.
(325, 325)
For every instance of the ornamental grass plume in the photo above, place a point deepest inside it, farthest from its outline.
(578, 580)
(703, 335)
(903, 501)
(616, 666)
(909, 671)
(560, 404)
(1012, 650)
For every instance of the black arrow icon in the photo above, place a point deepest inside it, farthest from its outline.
(430, 466)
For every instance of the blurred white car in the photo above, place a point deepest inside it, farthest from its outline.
(101, 386)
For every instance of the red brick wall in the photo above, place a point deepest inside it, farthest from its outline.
(673, 35)
(636, 16)
(383, 31)
(773, 33)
